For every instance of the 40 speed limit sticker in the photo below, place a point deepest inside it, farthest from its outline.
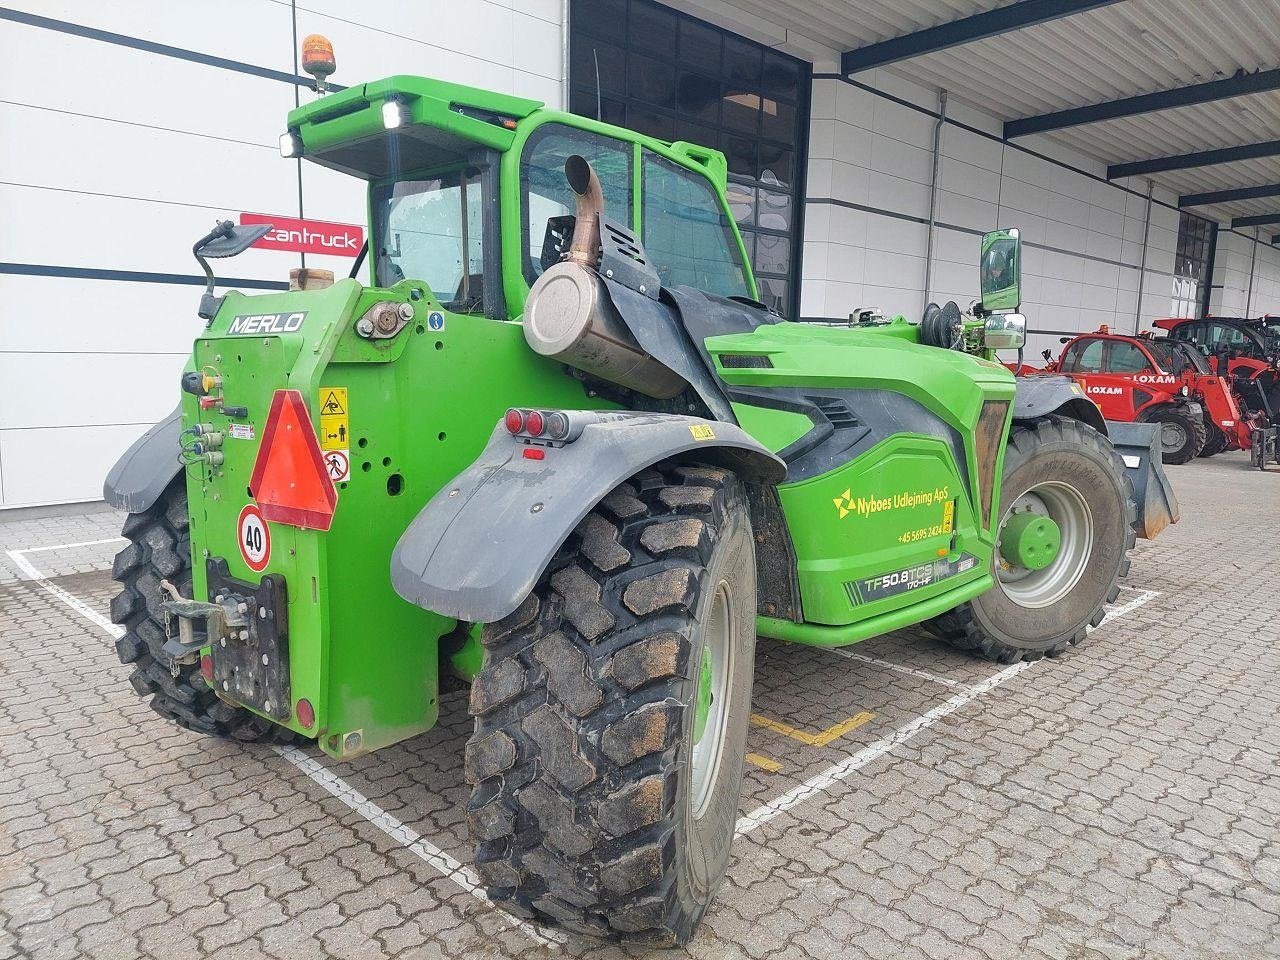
(254, 539)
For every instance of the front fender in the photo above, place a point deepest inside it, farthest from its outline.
(146, 468)
(1039, 395)
(475, 551)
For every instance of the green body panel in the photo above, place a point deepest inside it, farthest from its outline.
(422, 404)
(365, 659)
(776, 429)
(900, 505)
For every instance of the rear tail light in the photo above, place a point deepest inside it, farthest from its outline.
(553, 426)
(206, 668)
(557, 426)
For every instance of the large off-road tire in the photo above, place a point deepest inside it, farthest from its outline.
(1067, 470)
(160, 549)
(1215, 441)
(593, 807)
(1182, 434)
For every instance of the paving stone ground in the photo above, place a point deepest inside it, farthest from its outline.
(1123, 801)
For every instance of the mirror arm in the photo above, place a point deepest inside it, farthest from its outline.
(209, 304)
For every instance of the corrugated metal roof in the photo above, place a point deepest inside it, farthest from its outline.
(1127, 48)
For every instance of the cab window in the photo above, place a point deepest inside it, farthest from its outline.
(432, 230)
(687, 232)
(1083, 356)
(1126, 358)
(545, 193)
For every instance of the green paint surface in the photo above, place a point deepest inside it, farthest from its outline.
(422, 406)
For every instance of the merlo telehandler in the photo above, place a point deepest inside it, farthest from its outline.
(548, 443)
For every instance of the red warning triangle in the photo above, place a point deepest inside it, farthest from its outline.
(289, 480)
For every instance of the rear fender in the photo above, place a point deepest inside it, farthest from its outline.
(146, 468)
(477, 549)
(1139, 446)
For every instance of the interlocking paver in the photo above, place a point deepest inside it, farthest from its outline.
(1119, 802)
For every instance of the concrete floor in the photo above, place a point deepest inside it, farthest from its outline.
(1119, 802)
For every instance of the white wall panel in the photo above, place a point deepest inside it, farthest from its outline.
(70, 389)
(65, 465)
(139, 154)
(53, 315)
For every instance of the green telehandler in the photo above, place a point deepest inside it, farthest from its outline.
(549, 444)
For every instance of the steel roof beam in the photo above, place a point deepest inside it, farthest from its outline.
(1229, 196)
(1239, 85)
(992, 23)
(1185, 161)
(1261, 221)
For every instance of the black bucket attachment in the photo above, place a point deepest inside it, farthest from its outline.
(1139, 446)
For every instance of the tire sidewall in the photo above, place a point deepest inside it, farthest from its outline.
(1184, 422)
(706, 841)
(1089, 470)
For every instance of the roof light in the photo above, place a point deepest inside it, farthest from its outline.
(533, 423)
(394, 114)
(318, 59)
(514, 421)
(290, 145)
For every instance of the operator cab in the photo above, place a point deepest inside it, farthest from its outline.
(454, 172)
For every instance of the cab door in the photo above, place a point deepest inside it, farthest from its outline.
(1085, 361)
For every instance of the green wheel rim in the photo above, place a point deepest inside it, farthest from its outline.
(1044, 584)
(711, 712)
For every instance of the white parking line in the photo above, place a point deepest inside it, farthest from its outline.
(460, 874)
(898, 667)
(844, 769)
(406, 836)
(403, 834)
(67, 546)
(75, 603)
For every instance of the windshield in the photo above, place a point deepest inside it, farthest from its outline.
(427, 230)
(1164, 351)
(1270, 329)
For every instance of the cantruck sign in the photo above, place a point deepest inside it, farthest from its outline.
(307, 236)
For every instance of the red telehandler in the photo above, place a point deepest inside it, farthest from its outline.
(1148, 379)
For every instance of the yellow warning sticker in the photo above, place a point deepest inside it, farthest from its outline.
(702, 432)
(335, 431)
(948, 516)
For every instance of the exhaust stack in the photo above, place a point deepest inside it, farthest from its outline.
(570, 316)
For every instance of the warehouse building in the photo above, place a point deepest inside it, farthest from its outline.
(1132, 143)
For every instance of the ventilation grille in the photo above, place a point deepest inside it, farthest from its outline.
(835, 410)
(745, 361)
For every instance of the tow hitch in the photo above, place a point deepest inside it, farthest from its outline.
(246, 631)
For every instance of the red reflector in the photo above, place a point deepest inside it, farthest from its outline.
(535, 453)
(514, 421)
(206, 667)
(533, 424)
(306, 714)
(289, 479)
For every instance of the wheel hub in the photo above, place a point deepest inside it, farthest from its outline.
(1030, 540)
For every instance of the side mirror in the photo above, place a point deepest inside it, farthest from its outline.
(1005, 331)
(228, 239)
(1000, 270)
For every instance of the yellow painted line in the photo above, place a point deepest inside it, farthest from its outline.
(764, 763)
(813, 739)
